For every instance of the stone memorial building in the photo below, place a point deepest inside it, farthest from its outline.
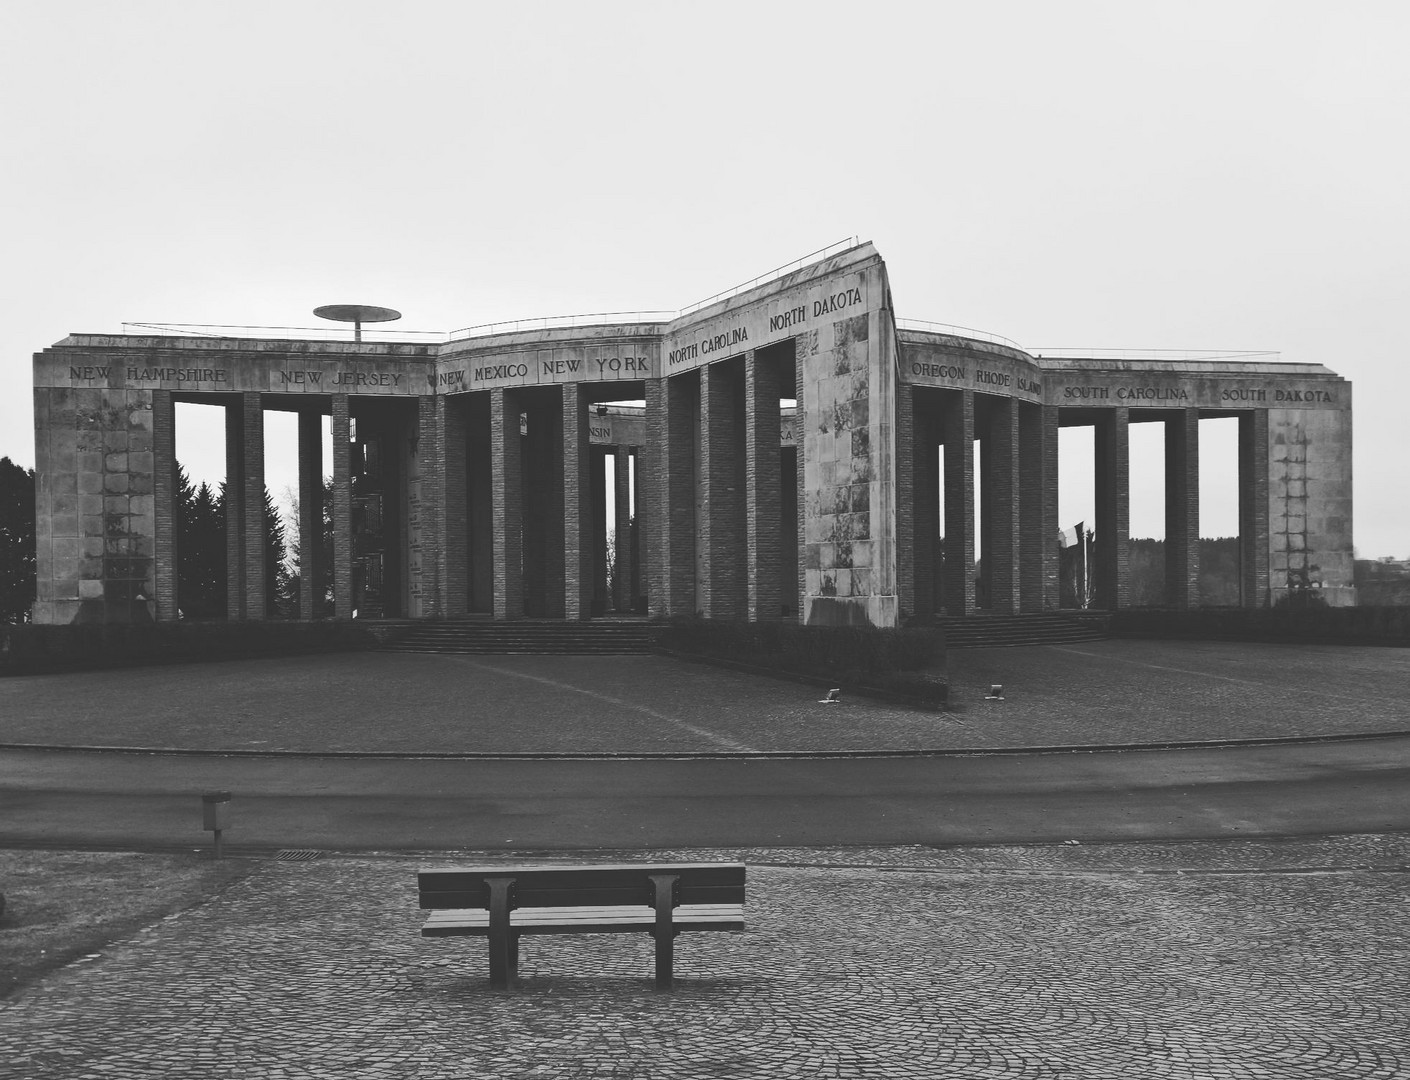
(787, 450)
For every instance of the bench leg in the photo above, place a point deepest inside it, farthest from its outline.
(503, 941)
(514, 957)
(665, 955)
(663, 900)
(502, 961)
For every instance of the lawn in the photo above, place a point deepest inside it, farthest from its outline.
(64, 905)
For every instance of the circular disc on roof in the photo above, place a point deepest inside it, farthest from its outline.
(356, 313)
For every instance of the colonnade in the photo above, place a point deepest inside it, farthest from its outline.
(1014, 543)
(494, 503)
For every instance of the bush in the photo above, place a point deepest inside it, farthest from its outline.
(32, 649)
(1319, 625)
(846, 656)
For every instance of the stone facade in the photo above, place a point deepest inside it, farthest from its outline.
(796, 456)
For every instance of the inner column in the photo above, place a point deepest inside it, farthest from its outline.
(764, 468)
(958, 431)
(723, 533)
(1113, 498)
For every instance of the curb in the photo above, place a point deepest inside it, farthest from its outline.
(714, 755)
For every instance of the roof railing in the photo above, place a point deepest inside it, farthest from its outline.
(773, 275)
(555, 322)
(1156, 354)
(316, 333)
(957, 331)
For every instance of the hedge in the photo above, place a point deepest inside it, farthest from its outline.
(32, 649)
(901, 663)
(1308, 625)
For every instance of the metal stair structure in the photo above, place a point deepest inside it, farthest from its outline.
(507, 636)
(1000, 631)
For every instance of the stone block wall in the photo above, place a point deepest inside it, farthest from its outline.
(1309, 505)
(95, 473)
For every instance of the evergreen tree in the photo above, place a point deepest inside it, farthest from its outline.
(200, 546)
(17, 565)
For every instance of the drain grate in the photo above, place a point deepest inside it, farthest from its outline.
(299, 855)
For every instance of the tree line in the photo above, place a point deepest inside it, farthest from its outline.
(201, 591)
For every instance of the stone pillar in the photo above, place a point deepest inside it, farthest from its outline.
(165, 492)
(507, 496)
(452, 509)
(721, 525)
(235, 537)
(1253, 508)
(652, 492)
(622, 597)
(803, 346)
(959, 502)
(342, 509)
(762, 466)
(579, 542)
(311, 570)
(426, 479)
(1113, 490)
(910, 581)
(1182, 509)
(670, 508)
(1038, 507)
(256, 573)
(1001, 506)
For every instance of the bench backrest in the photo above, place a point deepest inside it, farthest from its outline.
(621, 884)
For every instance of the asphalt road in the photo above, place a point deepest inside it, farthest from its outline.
(58, 798)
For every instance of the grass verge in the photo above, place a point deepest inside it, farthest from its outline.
(63, 905)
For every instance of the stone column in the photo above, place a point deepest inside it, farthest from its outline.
(622, 509)
(762, 467)
(426, 479)
(311, 570)
(342, 509)
(803, 345)
(721, 526)
(1182, 509)
(652, 490)
(235, 537)
(670, 409)
(256, 572)
(452, 509)
(579, 542)
(165, 493)
(959, 502)
(507, 497)
(1113, 490)
(1253, 508)
(1038, 507)
(911, 581)
(1001, 506)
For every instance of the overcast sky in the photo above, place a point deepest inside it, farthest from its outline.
(1083, 175)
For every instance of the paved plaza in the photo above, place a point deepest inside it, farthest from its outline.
(1221, 960)
(1096, 693)
(1259, 959)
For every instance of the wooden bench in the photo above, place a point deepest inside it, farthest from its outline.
(504, 903)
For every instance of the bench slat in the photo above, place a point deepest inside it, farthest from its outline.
(559, 886)
(563, 886)
(472, 922)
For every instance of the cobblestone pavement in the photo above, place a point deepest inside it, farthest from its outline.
(1101, 693)
(1236, 959)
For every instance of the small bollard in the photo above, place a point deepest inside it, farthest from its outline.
(214, 807)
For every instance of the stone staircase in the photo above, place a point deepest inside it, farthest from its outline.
(551, 636)
(998, 631)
